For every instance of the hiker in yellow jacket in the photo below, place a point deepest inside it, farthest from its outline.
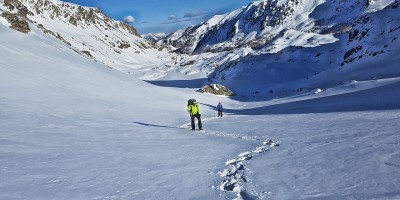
(194, 111)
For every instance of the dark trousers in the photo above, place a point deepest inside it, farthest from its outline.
(219, 113)
(198, 121)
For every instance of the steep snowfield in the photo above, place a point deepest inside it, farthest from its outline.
(73, 128)
(90, 32)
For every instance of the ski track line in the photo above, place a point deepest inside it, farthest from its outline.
(234, 179)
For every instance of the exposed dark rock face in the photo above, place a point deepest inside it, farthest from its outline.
(17, 22)
(17, 5)
(88, 53)
(58, 36)
(129, 28)
(124, 46)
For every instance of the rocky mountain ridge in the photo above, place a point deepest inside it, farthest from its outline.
(365, 49)
(87, 30)
(293, 46)
(262, 22)
(254, 25)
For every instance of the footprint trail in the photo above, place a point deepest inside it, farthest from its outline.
(234, 177)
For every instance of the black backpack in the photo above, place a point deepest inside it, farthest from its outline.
(191, 101)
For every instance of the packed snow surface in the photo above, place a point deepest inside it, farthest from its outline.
(72, 128)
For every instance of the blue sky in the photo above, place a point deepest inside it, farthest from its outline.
(153, 16)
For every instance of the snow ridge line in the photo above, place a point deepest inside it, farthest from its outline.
(234, 176)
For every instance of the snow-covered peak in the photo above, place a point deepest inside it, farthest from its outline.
(89, 32)
(375, 5)
(258, 24)
(346, 43)
(215, 20)
(154, 37)
(292, 45)
(253, 24)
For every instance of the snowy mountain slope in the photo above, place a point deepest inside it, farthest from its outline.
(51, 68)
(74, 129)
(68, 132)
(253, 26)
(262, 22)
(340, 155)
(332, 43)
(89, 32)
(368, 51)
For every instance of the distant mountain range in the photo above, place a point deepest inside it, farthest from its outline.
(154, 37)
(295, 45)
(261, 23)
(271, 46)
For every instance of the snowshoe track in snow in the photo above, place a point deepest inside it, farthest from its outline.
(234, 178)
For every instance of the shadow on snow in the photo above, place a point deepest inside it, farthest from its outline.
(196, 83)
(155, 125)
(380, 98)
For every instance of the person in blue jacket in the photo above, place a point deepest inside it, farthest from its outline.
(219, 108)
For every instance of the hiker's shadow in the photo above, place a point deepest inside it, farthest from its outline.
(154, 125)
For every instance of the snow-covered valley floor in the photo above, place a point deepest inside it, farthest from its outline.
(71, 128)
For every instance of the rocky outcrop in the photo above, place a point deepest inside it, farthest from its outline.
(217, 90)
(15, 5)
(87, 53)
(56, 35)
(17, 22)
(129, 28)
(124, 45)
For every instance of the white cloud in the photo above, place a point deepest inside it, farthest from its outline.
(197, 13)
(129, 19)
(172, 17)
